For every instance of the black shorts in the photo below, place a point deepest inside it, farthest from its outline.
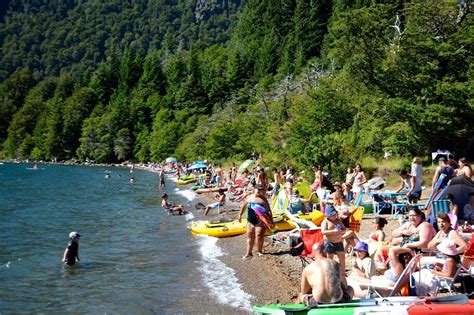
(332, 248)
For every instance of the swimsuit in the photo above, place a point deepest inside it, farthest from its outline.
(332, 248)
(374, 236)
(256, 214)
(73, 248)
(391, 276)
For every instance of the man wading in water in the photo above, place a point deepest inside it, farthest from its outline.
(71, 253)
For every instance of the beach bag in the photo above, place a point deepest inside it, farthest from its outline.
(296, 246)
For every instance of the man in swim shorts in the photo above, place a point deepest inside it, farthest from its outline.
(323, 282)
(220, 197)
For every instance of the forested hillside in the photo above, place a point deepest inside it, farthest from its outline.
(299, 81)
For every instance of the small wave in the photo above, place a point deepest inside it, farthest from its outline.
(219, 278)
(188, 194)
(7, 265)
(189, 216)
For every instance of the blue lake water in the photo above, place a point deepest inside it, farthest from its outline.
(135, 259)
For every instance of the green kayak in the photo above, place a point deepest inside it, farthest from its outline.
(301, 309)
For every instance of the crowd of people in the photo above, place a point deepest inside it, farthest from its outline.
(326, 280)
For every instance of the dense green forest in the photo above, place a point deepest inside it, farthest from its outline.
(299, 81)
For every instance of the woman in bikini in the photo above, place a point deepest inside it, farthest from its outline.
(359, 181)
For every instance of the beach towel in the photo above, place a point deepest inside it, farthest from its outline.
(261, 213)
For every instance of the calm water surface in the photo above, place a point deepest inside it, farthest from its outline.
(135, 259)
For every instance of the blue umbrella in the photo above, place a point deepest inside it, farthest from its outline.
(171, 160)
(196, 166)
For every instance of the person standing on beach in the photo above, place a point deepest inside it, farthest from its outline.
(71, 253)
(259, 218)
(333, 230)
(443, 168)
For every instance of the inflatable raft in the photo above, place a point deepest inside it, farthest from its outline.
(227, 227)
(221, 228)
(393, 305)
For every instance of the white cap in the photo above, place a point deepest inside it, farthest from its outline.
(74, 234)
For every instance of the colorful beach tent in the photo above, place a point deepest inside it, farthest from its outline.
(460, 187)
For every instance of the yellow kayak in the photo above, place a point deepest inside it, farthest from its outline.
(222, 228)
(227, 228)
(185, 181)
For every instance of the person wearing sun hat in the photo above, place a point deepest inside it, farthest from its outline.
(363, 269)
(364, 266)
(71, 253)
(427, 280)
(333, 230)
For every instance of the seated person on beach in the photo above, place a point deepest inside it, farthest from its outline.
(426, 280)
(170, 207)
(323, 282)
(469, 210)
(389, 278)
(410, 238)
(376, 239)
(220, 198)
(333, 230)
(378, 235)
(297, 202)
(446, 232)
(363, 269)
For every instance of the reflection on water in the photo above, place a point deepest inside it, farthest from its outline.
(134, 258)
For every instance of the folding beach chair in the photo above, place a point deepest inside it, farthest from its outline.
(394, 290)
(379, 205)
(447, 283)
(438, 206)
(355, 219)
(308, 239)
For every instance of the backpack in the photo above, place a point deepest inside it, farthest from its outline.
(296, 246)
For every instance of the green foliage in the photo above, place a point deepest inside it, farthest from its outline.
(301, 82)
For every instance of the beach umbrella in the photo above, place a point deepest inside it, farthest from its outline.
(245, 165)
(196, 166)
(171, 160)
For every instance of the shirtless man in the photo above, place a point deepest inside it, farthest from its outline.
(323, 282)
(333, 230)
(219, 176)
(220, 201)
